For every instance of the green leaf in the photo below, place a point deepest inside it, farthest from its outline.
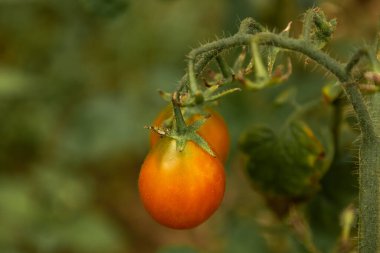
(288, 164)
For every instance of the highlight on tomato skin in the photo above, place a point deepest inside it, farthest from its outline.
(214, 130)
(181, 190)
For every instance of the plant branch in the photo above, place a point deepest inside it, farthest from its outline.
(355, 60)
(223, 66)
(369, 168)
(199, 67)
(323, 59)
(369, 181)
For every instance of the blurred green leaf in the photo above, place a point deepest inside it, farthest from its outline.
(289, 163)
(18, 210)
(107, 8)
(98, 130)
(13, 83)
(335, 195)
(244, 235)
(87, 233)
(63, 193)
(177, 249)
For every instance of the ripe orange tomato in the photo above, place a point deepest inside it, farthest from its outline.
(214, 131)
(181, 189)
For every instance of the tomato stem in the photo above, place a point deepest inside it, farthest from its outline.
(199, 67)
(260, 70)
(223, 66)
(355, 59)
(192, 79)
(179, 120)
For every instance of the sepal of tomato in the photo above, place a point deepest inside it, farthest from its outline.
(181, 189)
(214, 131)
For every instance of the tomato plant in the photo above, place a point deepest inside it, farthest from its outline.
(181, 189)
(214, 130)
(181, 184)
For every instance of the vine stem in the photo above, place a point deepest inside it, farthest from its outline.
(199, 66)
(369, 163)
(223, 66)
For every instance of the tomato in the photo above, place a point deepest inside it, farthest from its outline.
(181, 189)
(214, 131)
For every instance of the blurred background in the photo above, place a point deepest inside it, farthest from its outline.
(78, 83)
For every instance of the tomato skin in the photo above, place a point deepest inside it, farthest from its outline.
(214, 131)
(181, 189)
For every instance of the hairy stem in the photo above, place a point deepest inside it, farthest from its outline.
(369, 168)
(369, 182)
(179, 120)
(223, 66)
(307, 24)
(305, 48)
(355, 59)
(199, 66)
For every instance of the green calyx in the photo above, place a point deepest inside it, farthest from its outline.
(250, 26)
(317, 29)
(183, 133)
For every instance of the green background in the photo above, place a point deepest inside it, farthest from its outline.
(78, 82)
